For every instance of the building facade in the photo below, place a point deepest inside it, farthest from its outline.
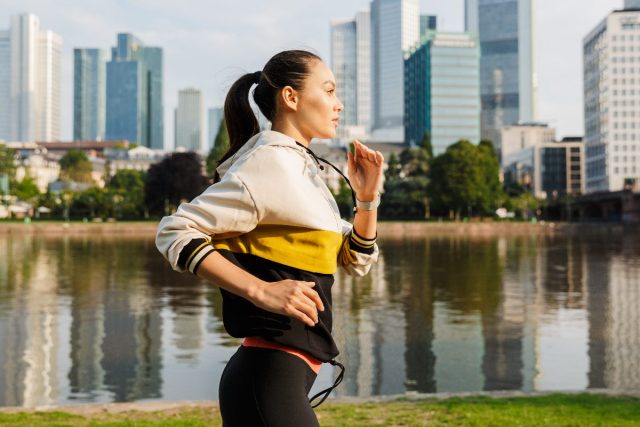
(518, 137)
(89, 94)
(442, 92)
(507, 66)
(30, 81)
(428, 23)
(549, 169)
(134, 93)
(395, 29)
(344, 65)
(611, 110)
(189, 121)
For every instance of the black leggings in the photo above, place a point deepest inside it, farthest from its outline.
(264, 387)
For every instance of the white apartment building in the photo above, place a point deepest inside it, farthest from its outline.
(30, 81)
(611, 103)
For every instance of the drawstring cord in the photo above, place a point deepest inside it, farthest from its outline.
(320, 159)
(328, 391)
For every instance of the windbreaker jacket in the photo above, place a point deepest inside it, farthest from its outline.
(272, 215)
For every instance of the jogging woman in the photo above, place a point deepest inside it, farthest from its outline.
(268, 233)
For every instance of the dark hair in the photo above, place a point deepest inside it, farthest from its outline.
(287, 68)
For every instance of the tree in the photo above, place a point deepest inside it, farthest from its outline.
(7, 161)
(220, 147)
(393, 168)
(7, 167)
(172, 180)
(426, 144)
(126, 189)
(456, 179)
(492, 190)
(76, 166)
(26, 189)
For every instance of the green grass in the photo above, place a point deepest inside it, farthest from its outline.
(551, 410)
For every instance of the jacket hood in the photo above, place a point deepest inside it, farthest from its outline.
(267, 137)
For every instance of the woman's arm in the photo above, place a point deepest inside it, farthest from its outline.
(292, 298)
(365, 174)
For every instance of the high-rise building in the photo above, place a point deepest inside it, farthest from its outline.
(214, 116)
(351, 64)
(49, 88)
(30, 81)
(189, 125)
(611, 109)
(508, 78)
(134, 93)
(5, 84)
(395, 28)
(632, 4)
(442, 90)
(89, 94)
(363, 70)
(344, 65)
(428, 23)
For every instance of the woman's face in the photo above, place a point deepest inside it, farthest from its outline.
(319, 108)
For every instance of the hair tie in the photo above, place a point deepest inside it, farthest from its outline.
(256, 77)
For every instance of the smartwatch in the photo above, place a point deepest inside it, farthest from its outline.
(368, 206)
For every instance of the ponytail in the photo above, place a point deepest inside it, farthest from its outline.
(239, 118)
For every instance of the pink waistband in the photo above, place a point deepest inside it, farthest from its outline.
(260, 342)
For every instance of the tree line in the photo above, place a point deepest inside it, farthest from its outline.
(461, 182)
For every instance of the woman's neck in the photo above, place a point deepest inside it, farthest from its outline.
(289, 129)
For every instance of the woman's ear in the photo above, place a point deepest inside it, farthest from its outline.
(289, 97)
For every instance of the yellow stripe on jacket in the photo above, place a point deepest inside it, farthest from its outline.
(311, 250)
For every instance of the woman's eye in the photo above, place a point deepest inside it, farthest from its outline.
(331, 91)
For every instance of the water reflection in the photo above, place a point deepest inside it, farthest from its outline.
(96, 319)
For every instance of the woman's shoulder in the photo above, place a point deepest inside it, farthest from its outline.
(267, 160)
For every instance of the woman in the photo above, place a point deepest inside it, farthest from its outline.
(268, 233)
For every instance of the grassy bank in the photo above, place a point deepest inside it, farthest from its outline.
(549, 410)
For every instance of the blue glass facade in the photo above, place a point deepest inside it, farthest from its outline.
(507, 67)
(134, 93)
(89, 93)
(442, 90)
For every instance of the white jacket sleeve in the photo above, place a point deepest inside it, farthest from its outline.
(357, 254)
(225, 207)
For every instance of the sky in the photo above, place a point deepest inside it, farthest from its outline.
(209, 43)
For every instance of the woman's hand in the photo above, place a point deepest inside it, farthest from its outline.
(292, 298)
(365, 171)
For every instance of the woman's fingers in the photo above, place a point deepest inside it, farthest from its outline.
(303, 317)
(314, 297)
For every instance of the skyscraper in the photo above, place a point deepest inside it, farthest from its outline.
(89, 94)
(30, 80)
(507, 65)
(49, 87)
(363, 70)
(442, 93)
(611, 109)
(189, 125)
(395, 28)
(351, 64)
(632, 4)
(344, 65)
(134, 93)
(5, 84)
